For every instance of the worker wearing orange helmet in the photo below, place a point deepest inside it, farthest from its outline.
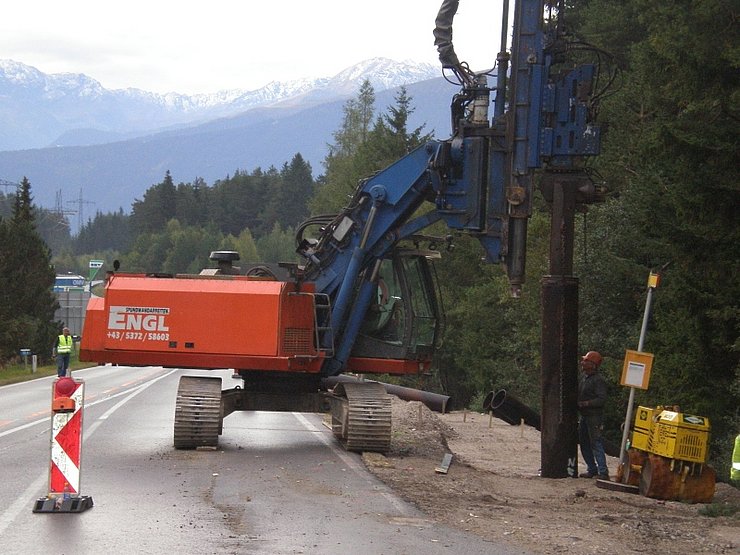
(592, 393)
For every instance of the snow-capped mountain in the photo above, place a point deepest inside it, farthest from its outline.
(68, 134)
(68, 109)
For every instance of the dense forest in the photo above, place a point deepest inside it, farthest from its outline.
(669, 161)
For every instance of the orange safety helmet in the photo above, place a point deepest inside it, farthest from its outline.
(593, 356)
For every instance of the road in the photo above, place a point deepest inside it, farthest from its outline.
(277, 484)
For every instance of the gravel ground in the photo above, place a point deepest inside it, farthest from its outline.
(492, 489)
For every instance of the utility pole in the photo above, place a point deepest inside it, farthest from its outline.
(80, 202)
(60, 211)
(5, 183)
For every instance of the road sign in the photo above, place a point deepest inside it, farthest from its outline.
(68, 395)
(95, 265)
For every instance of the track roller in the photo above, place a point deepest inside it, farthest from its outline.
(361, 416)
(198, 413)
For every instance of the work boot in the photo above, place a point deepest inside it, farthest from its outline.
(586, 475)
(604, 477)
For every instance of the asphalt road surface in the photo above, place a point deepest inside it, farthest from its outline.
(277, 484)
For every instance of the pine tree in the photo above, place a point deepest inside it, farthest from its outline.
(157, 208)
(103, 232)
(361, 150)
(296, 188)
(23, 210)
(27, 303)
(358, 116)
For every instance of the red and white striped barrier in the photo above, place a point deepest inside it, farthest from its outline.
(67, 403)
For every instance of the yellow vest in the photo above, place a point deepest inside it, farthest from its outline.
(65, 345)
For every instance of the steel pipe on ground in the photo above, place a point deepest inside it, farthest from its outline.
(511, 410)
(433, 401)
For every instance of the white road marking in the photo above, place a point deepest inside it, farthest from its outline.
(351, 462)
(21, 503)
(136, 390)
(32, 491)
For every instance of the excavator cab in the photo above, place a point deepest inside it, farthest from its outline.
(404, 320)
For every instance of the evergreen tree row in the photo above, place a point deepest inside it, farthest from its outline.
(255, 200)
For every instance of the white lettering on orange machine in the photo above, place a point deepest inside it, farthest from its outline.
(138, 318)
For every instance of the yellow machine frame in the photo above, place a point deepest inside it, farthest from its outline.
(671, 434)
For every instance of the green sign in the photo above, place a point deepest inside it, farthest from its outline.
(95, 265)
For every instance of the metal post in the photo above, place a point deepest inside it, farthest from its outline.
(653, 281)
(25, 353)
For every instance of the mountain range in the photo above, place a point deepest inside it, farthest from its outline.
(74, 139)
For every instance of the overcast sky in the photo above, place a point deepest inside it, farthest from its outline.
(199, 47)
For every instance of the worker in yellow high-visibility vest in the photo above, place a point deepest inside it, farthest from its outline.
(62, 350)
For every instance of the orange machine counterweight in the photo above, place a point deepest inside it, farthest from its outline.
(203, 322)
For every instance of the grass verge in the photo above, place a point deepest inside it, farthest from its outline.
(14, 373)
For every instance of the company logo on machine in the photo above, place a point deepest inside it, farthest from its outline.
(138, 318)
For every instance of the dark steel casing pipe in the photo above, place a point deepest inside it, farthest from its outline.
(510, 409)
(433, 401)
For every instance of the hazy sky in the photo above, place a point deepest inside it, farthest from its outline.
(197, 47)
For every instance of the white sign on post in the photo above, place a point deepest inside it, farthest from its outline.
(635, 374)
(636, 369)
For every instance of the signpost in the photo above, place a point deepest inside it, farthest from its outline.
(25, 353)
(636, 370)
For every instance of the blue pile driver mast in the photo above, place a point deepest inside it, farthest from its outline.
(543, 129)
(481, 182)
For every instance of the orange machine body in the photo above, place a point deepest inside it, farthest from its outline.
(203, 322)
(212, 322)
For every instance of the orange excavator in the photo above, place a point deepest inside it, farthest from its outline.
(363, 299)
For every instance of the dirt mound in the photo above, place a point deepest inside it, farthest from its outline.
(493, 490)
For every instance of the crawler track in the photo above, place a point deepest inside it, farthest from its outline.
(198, 416)
(361, 416)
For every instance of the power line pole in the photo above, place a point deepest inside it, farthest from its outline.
(5, 183)
(80, 202)
(60, 211)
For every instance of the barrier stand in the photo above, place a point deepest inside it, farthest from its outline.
(67, 401)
